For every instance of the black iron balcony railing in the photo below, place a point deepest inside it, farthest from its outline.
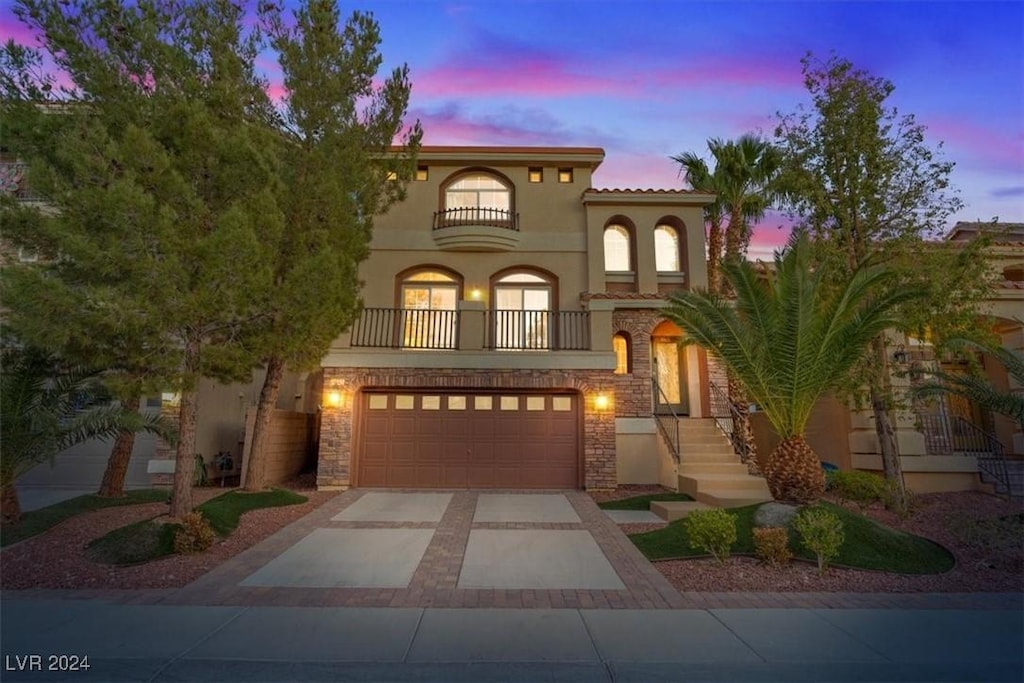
(399, 328)
(538, 330)
(13, 182)
(494, 218)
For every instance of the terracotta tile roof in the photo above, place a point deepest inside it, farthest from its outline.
(639, 191)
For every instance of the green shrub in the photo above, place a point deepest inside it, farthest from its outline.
(195, 535)
(713, 531)
(862, 488)
(771, 545)
(821, 532)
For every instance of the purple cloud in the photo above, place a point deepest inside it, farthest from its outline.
(1007, 192)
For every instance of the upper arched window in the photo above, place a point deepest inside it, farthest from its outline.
(666, 249)
(617, 252)
(478, 191)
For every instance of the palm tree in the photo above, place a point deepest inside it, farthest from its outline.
(788, 338)
(744, 183)
(976, 389)
(46, 407)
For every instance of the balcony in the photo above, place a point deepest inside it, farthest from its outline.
(476, 229)
(538, 331)
(398, 328)
(13, 182)
(410, 329)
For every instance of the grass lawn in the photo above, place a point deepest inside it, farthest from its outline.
(867, 544)
(640, 502)
(150, 540)
(38, 521)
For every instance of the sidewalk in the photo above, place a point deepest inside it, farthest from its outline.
(127, 642)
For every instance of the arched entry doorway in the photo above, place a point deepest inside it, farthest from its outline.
(671, 393)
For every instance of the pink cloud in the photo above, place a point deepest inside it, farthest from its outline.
(983, 146)
(449, 125)
(749, 70)
(538, 76)
(12, 29)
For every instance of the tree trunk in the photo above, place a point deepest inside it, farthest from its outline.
(794, 472)
(255, 478)
(10, 508)
(112, 485)
(185, 453)
(891, 464)
(715, 257)
(741, 425)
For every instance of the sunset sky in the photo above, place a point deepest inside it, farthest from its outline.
(645, 80)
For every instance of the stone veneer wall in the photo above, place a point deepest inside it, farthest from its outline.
(336, 426)
(633, 391)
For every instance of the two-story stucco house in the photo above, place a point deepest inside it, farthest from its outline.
(512, 329)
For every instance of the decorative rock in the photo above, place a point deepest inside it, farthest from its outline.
(775, 514)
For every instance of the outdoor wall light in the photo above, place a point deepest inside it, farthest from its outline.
(900, 355)
(601, 402)
(334, 399)
(475, 294)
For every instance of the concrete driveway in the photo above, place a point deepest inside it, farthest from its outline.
(443, 549)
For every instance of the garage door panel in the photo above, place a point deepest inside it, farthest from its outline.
(417, 443)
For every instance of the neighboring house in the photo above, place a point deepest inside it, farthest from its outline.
(221, 425)
(512, 330)
(942, 444)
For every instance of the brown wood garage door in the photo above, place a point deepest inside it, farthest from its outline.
(468, 440)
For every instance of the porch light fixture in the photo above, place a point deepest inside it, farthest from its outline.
(900, 355)
(601, 402)
(475, 294)
(334, 399)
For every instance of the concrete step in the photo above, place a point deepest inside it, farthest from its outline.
(671, 510)
(691, 484)
(726, 498)
(731, 467)
(707, 455)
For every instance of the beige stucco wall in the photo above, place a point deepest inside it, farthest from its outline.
(636, 451)
(826, 433)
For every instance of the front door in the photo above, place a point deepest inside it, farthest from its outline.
(670, 373)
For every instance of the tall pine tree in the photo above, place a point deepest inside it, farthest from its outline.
(337, 174)
(161, 176)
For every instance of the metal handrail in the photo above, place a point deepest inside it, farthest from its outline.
(671, 435)
(726, 416)
(956, 435)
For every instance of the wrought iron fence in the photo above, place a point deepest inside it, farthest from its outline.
(538, 330)
(946, 434)
(406, 329)
(495, 218)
